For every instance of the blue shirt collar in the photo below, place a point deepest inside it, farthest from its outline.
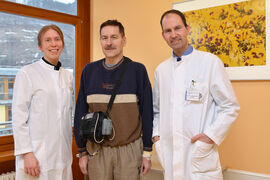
(187, 52)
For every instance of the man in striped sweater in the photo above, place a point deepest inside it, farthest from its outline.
(128, 154)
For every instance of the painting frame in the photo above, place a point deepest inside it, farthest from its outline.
(239, 72)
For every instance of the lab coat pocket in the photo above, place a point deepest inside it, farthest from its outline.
(159, 153)
(39, 152)
(204, 158)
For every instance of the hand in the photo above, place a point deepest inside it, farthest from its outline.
(31, 165)
(146, 166)
(155, 139)
(83, 161)
(202, 137)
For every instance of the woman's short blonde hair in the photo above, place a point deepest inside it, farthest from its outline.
(45, 29)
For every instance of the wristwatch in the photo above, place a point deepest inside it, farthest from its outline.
(81, 154)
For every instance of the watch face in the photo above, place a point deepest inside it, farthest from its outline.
(78, 155)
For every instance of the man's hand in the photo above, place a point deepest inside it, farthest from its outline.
(202, 137)
(31, 165)
(155, 139)
(83, 161)
(146, 166)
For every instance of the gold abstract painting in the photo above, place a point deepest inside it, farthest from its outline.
(236, 32)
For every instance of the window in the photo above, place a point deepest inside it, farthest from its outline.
(10, 87)
(20, 22)
(64, 6)
(2, 95)
(5, 104)
(18, 41)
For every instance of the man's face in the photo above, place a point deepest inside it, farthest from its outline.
(51, 46)
(112, 42)
(174, 32)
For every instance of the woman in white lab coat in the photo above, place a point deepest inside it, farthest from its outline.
(42, 113)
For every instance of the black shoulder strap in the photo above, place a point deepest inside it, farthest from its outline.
(117, 84)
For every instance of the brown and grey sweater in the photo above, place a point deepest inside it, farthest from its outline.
(132, 110)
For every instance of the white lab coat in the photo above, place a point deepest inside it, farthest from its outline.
(42, 120)
(177, 120)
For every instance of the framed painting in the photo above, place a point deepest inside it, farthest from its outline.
(237, 31)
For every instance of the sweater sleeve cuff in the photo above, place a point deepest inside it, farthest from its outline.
(147, 149)
(82, 149)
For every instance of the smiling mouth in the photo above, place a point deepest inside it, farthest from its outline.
(54, 50)
(175, 40)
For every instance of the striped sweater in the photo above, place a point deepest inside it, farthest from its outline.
(132, 110)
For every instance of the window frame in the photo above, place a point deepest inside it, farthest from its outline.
(82, 40)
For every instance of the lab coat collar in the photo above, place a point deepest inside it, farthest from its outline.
(57, 67)
(188, 51)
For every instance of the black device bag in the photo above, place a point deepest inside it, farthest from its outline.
(91, 127)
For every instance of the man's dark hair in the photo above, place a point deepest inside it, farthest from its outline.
(173, 11)
(113, 23)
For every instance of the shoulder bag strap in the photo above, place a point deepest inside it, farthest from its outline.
(117, 84)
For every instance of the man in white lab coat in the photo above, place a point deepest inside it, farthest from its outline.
(194, 106)
(42, 113)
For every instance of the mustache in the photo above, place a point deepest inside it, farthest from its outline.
(109, 47)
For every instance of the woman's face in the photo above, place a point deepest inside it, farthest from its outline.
(51, 46)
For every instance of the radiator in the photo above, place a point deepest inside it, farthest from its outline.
(8, 176)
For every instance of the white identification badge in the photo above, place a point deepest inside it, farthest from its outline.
(193, 94)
